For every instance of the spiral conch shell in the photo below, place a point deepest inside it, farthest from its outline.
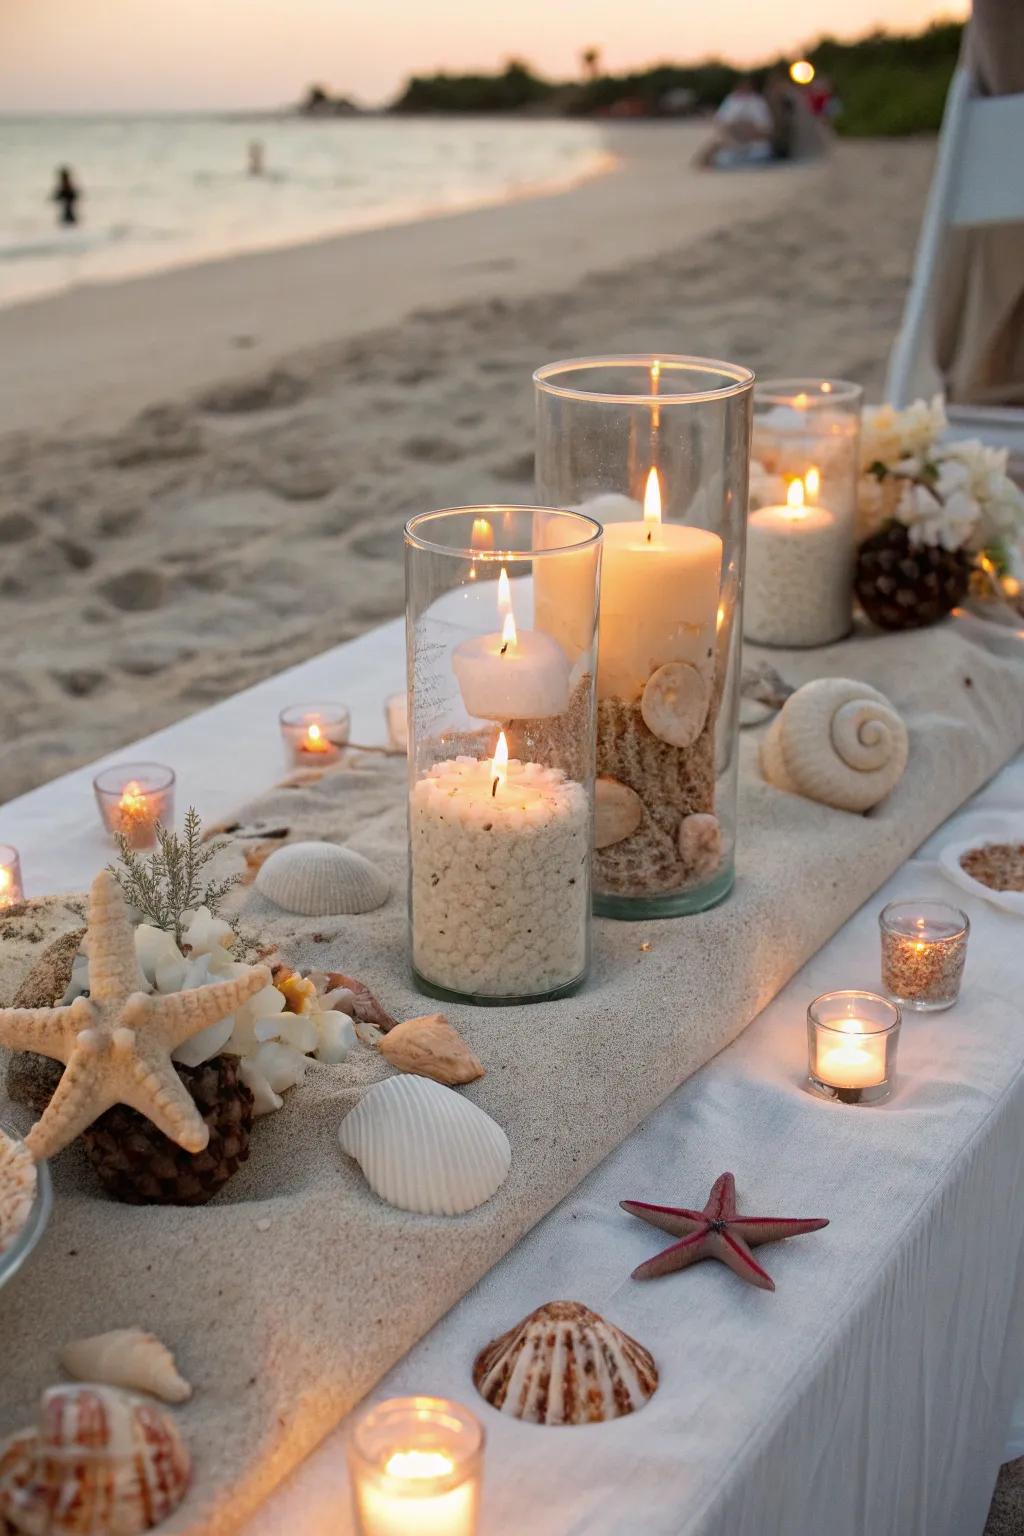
(99, 1463)
(838, 741)
(127, 1357)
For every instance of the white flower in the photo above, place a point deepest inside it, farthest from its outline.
(889, 435)
(1000, 501)
(945, 514)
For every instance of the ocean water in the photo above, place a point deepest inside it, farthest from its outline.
(163, 191)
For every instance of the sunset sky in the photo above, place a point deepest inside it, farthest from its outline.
(132, 55)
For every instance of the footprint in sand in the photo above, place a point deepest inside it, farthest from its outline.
(78, 556)
(135, 591)
(263, 392)
(432, 450)
(15, 527)
(163, 432)
(79, 682)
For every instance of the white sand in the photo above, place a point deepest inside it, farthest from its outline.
(148, 569)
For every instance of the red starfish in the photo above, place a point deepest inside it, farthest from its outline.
(716, 1232)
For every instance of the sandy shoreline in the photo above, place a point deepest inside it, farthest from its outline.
(148, 569)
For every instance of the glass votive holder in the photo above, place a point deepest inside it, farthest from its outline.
(501, 751)
(924, 946)
(851, 1046)
(133, 798)
(396, 717)
(11, 888)
(314, 735)
(798, 589)
(416, 1465)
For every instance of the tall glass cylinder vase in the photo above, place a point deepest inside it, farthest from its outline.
(501, 631)
(656, 449)
(803, 509)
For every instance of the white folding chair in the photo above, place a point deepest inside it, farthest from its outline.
(978, 180)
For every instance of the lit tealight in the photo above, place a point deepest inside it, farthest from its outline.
(314, 735)
(134, 800)
(11, 889)
(416, 1465)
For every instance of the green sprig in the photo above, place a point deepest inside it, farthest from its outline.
(168, 884)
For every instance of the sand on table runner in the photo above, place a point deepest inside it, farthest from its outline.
(291, 1294)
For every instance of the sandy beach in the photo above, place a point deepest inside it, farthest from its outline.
(204, 473)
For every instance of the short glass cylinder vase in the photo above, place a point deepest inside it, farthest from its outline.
(924, 947)
(656, 449)
(416, 1465)
(501, 632)
(852, 1038)
(801, 538)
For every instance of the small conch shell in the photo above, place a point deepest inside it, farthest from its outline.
(321, 880)
(431, 1047)
(700, 844)
(675, 703)
(100, 1463)
(565, 1365)
(618, 811)
(127, 1357)
(837, 741)
(424, 1148)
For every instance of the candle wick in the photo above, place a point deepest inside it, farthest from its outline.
(494, 787)
(648, 535)
(503, 649)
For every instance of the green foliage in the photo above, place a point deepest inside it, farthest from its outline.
(891, 85)
(515, 89)
(167, 884)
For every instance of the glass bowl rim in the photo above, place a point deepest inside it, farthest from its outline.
(15, 858)
(129, 770)
(465, 1457)
(36, 1222)
(743, 378)
(836, 1029)
(415, 540)
(779, 391)
(338, 712)
(919, 902)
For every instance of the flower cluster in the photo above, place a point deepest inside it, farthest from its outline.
(955, 495)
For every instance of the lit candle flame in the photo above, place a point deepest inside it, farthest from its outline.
(499, 764)
(133, 800)
(419, 1464)
(482, 536)
(795, 498)
(508, 624)
(314, 732)
(652, 506)
(800, 401)
(812, 482)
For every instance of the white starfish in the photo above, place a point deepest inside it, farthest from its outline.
(116, 1043)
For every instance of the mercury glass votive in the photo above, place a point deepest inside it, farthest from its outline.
(133, 798)
(416, 1465)
(314, 735)
(851, 1046)
(804, 468)
(924, 946)
(501, 750)
(11, 888)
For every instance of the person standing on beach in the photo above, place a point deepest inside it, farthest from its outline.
(257, 163)
(66, 195)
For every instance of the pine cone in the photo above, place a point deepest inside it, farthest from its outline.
(140, 1165)
(905, 586)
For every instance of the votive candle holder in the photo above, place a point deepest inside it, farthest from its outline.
(11, 888)
(134, 799)
(396, 718)
(852, 1039)
(924, 947)
(314, 735)
(416, 1466)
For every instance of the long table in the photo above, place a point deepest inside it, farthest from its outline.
(872, 1392)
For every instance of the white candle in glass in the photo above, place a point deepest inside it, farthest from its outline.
(416, 1466)
(406, 1505)
(857, 1061)
(659, 598)
(799, 581)
(512, 674)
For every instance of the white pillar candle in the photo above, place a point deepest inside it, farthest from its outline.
(799, 582)
(659, 599)
(500, 895)
(512, 674)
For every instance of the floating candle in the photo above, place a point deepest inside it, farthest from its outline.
(512, 674)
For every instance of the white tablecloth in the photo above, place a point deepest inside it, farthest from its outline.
(870, 1395)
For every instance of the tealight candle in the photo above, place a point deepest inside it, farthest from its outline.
(396, 717)
(512, 674)
(851, 1045)
(924, 946)
(314, 735)
(134, 799)
(11, 888)
(416, 1465)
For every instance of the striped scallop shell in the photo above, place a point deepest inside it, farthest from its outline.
(321, 880)
(100, 1463)
(424, 1148)
(565, 1365)
(838, 741)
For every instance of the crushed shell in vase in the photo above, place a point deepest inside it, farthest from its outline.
(321, 880)
(129, 1358)
(837, 741)
(675, 704)
(99, 1463)
(424, 1148)
(565, 1365)
(700, 844)
(431, 1047)
(618, 811)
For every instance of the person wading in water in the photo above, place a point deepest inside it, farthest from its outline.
(65, 195)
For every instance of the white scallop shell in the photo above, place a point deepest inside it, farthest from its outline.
(675, 703)
(425, 1148)
(98, 1463)
(321, 880)
(127, 1357)
(837, 741)
(565, 1365)
(618, 811)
